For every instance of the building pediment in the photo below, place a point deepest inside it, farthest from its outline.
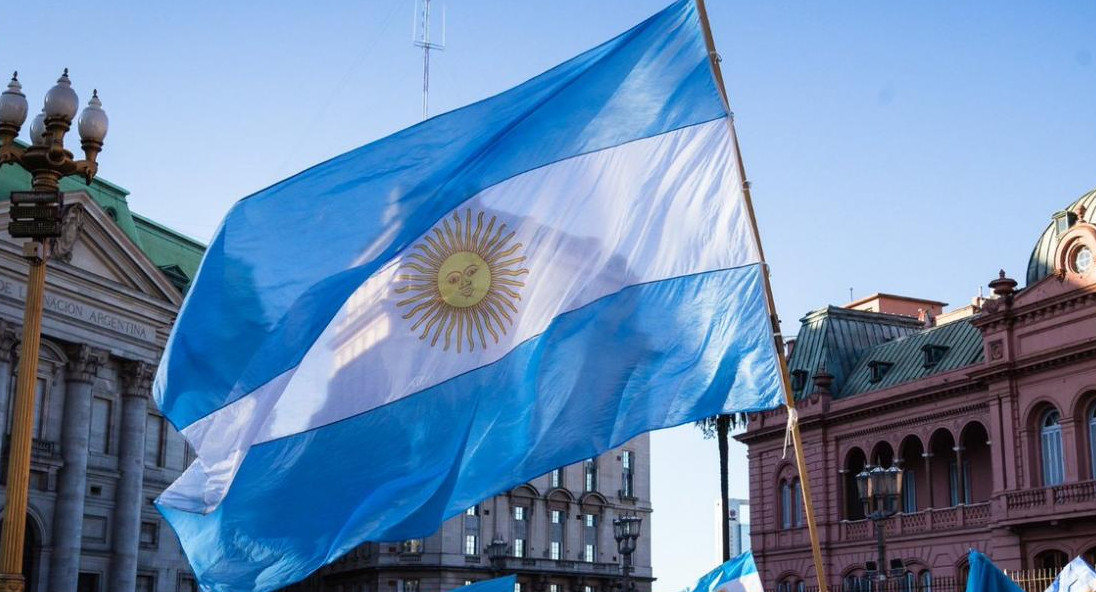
(93, 243)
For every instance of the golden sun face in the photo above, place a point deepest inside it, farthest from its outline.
(462, 282)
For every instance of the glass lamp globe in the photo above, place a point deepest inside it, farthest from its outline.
(13, 104)
(38, 130)
(61, 100)
(93, 121)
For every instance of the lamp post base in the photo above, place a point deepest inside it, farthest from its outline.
(11, 582)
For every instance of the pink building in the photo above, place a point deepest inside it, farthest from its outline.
(989, 411)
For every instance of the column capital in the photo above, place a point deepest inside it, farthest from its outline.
(9, 339)
(137, 378)
(84, 362)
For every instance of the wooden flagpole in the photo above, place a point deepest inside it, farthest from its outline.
(789, 399)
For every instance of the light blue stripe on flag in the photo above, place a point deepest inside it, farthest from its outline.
(737, 575)
(397, 334)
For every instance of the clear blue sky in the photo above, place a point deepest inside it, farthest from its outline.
(912, 147)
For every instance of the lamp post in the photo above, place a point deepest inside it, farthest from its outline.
(496, 554)
(37, 215)
(880, 489)
(626, 531)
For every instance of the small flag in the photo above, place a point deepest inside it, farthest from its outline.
(503, 584)
(1078, 576)
(386, 339)
(985, 577)
(737, 575)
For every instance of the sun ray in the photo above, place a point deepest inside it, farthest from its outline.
(457, 234)
(468, 229)
(430, 313)
(477, 235)
(493, 258)
(507, 264)
(479, 328)
(412, 299)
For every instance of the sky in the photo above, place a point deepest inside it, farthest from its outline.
(905, 147)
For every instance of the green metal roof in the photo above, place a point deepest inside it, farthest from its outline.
(907, 359)
(1041, 263)
(169, 250)
(838, 336)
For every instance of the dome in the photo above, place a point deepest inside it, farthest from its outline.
(1041, 263)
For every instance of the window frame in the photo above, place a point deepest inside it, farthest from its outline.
(1051, 448)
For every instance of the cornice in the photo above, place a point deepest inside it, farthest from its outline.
(1037, 363)
(996, 316)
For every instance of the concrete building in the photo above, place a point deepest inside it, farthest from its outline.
(101, 451)
(738, 521)
(989, 411)
(557, 530)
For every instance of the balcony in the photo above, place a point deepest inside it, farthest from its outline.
(1050, 502)
(552, 566)
(931, 520)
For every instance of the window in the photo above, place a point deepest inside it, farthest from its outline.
(627, 474)
(589, 469)
(800, 586)
(407, 586)
(146, 583)
(471, 530)
(154, 441)
(1092, 440)
(553, 587)
(797, 503)
(101, 414)
(469, 582)
(519, 532)
(555, 546)
(932, 354)
(412, 546)
(589, 537)
(953, 483)
(88, 582)
(1050, 436)
(909, 491)
(519, 547)
(555, 478)
(878, 370)
(785, 505)
(150, 535)
(926, 581)
(518, 587)
(909, 582)
(39, 405)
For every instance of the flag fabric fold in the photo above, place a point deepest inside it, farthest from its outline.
(737, 575)
(1077, 576)
(984, 576)
(503, 584)
(389, 337)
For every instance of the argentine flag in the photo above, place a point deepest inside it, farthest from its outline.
(737, 575)
(389, 337)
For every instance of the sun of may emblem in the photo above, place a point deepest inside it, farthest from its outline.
(462, 281)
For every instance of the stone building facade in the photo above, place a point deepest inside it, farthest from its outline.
(101, 451)
(989, 411)
(557, 531)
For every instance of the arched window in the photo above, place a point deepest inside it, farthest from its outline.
(1050, 438)
(784, 586)
(925, 584)
(785, 505)
(1051, 559)
(1092, 439)
(800, 586)
(909, 582)
(851, 584)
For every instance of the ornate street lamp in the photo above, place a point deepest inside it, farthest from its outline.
(626, 531)
(880, 490)
(496, 553)
(37, 215)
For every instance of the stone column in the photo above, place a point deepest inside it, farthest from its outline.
(929, 480)
(9, 339)
(960, 478)
(68, 513)
(136, 387)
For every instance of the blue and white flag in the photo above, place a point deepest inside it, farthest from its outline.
(985, 577)
(737, 575)
(503, 584)
(389, 337)
(1078, 576)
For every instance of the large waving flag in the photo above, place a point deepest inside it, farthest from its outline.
(387, 338)
(503, 584)
(737, 575)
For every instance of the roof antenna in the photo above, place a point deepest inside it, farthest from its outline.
(421, 38)
(850, 295)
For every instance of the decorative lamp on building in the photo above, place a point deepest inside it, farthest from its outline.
(879, 490)
(496, 554)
